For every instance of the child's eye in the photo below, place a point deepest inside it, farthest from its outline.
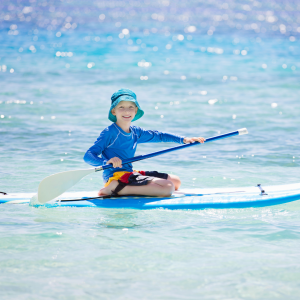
(130, 107)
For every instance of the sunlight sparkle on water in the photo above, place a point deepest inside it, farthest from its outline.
(191, 29)
(144, 64)
(212, 101)
(125, 31)
(90, 65)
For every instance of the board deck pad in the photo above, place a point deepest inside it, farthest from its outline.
(184, 199)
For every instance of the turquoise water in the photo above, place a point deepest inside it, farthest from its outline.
(199, 68)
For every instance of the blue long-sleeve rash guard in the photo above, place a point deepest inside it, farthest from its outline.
(115, 142)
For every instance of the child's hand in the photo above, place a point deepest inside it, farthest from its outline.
(194, 139)
(116, 162)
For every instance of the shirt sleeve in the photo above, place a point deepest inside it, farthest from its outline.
(153, 136)
(92, 154)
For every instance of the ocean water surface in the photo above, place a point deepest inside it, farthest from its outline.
(199, 68)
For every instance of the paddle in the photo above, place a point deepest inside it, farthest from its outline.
(56, 184)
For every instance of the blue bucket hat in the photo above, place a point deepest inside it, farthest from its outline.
(124, 95)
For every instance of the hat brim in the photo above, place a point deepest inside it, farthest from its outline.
(138, 115)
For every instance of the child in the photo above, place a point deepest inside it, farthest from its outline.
(119, 141)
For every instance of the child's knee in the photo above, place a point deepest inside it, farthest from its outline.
(168, 183)
(176, 181)
(169, 188)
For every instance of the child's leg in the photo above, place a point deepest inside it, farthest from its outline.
(156, 187)
(176, 181)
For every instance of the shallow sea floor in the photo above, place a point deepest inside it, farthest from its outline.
(199, 68)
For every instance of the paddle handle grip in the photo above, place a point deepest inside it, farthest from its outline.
(142, 157)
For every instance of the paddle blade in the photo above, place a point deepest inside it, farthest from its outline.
(56, 184)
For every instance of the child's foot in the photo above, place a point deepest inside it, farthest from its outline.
(102, 192)
(106, 191)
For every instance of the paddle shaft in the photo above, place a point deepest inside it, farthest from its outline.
(142, 157)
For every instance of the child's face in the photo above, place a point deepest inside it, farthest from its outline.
(125, 111)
